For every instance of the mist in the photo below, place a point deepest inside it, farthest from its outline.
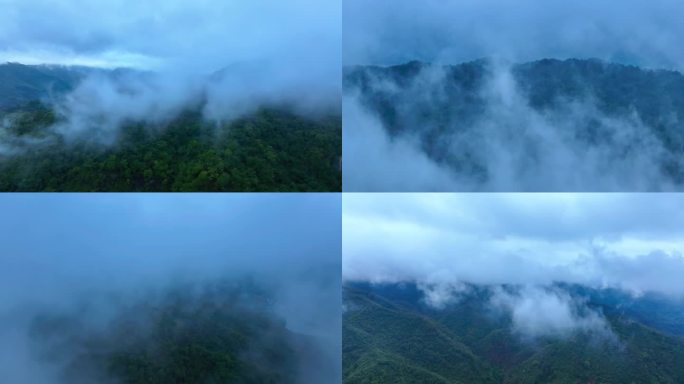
(539, 312)
(371, 158)
(94, 259)
(227, 59)
(532, 243)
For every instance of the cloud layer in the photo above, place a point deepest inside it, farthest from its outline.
(599, 239)
(631, 242)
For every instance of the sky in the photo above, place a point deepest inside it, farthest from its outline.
(202, 34)
(56, 249)
(387, 32)
(633, 242)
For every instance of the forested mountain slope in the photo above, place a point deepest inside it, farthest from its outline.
(543, 125)
(391, 336)
(273, 148)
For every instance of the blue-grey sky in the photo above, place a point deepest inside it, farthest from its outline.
(629, 241)
(208, 34)
(56, 249)
(453, 31)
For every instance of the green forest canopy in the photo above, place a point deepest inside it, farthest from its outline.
(270, 150)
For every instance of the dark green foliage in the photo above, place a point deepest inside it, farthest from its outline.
(270, 150)
(390, 336)
(32, 120)
(386, 342)
(221, 335)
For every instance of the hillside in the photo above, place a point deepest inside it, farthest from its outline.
(271, 149)
(222, 333)
(391, 336)
(543, 125)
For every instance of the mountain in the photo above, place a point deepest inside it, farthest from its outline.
(391, 336)
(224, 333)
(273, 148)
(548, 124)
(21, 84)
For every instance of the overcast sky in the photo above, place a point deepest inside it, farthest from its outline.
(629, 241)
(453, 31)
(198, 34)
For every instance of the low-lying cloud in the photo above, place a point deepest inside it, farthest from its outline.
(539, 312)
(445, 143)
(374, 161)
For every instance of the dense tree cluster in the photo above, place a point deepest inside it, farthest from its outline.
(270, 150)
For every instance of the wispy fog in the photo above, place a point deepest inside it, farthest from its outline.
(445, 141)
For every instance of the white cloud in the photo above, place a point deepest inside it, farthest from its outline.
(375, 162)
(538, 312)
(627, 241)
